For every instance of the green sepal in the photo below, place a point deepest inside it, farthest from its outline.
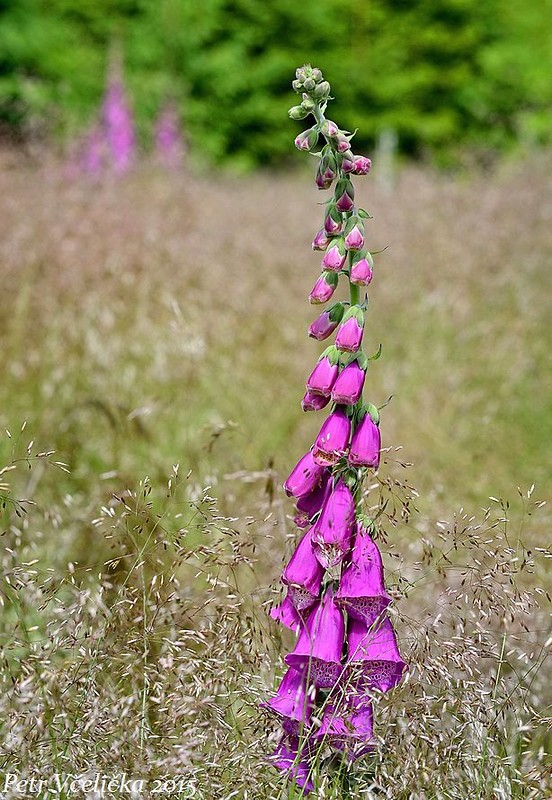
(336, 312)
(376, 355)
(332, 354)
(364, 214)
(373, 412)
(355, 311)
(330, 277)
(358, 255)
(366, 522)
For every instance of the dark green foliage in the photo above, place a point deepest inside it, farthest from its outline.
(444, 74)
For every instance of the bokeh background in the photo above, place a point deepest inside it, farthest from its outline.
(153, 312)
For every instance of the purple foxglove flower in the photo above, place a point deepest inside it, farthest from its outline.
(354, 239)
(297, 767)
(92, 156)
(310, 504)
(287, 615)
(349, 335)
(345, 202)
(320, 241)
(331, 533)
(362, 165)
(314, 402)
(119, 126)
(373, 654)
(333, 223)
(324, 288)
(366, 444)
(168, 139)
(303, 575)
(361, 271)
(323, 376)
(361, 589)
(293, 701)
(322, 181)
(349, 729)
(320, 643)
(324, 325)
(335, 256)
(348, 386)
(333, 439)
(304, 477)
(307, 139)
(342, 143)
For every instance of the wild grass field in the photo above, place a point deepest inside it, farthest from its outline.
(160, 320)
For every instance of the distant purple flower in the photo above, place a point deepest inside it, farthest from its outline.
(332, 532)
(347, 387)
(119, 126)
(304, 477)
(318, 650)
(365, 444)
(168, 139)
(361, 589)
(373, 655)
(92, 154)
(333, 439)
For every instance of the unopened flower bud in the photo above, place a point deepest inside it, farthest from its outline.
(297, 85)
(324, 288)
(347, 164)
(348, 385)
(335, 256)
(307, 139)
(349, 335)
(317, 74)
(323, 376)
(320, 241)
(333, 222)
(322, 90)
(362, 165)
(329, 128)
(354, 240)
(324, 325)
(309, 84)
(361, 269)
(366, 444)
(307, 102)
(345, 196)
(342, 143)
(298, 112)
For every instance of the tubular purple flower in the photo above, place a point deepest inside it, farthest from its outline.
(293, 701)
(323, 376)
(303, 575)
(362, 165)
(287, 759)
(349, 729)
(373, 654)
(348, 164)
(333, 439)
(335, 256)
(361, 270)
(361, 589)
(354, 239)
(331, 533)
(324, 287)
(348, 386)
(310, 504)
(325, 324)
(342, 142)
(314, 402)
(349, 335)
(318, 649)
(304, 477)
(366, 444)
(320, 241)
(286, 614)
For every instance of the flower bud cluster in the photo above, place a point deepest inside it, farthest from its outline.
(336, 599)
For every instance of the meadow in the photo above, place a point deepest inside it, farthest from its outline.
(154, 353)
